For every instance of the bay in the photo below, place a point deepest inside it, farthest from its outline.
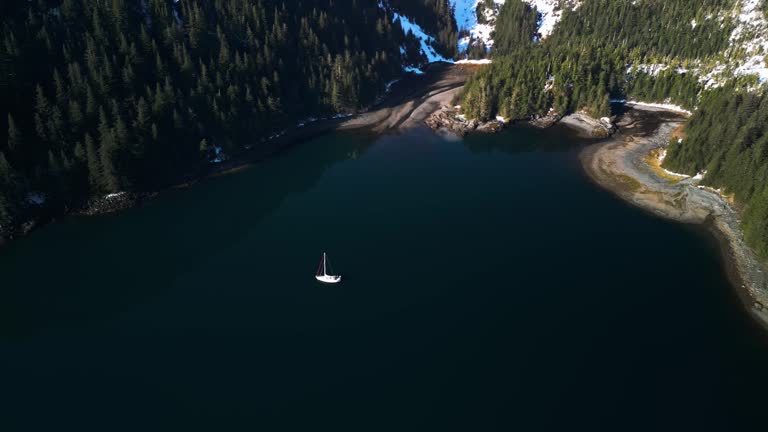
(488, 285)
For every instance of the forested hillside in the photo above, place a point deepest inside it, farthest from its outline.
(656, 51)
(727, 140)
(584, 63)
(436, 18)
(105, 96)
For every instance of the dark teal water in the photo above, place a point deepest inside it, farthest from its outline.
(488, 285)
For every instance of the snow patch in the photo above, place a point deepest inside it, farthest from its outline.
(698, 177)
(550, 13)
(412, 69)
(388, 86)
(426, 41)
(218, 155)
(477, 62)
(674, 174)
(36, 198)
(114, 195)
(750, 37)
(465, 11)
(663, 106)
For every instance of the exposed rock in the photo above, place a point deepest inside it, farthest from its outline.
(449, 119)
(591, 127)
(112, 203)
(546, 121)
(490, 127)
(8, 233)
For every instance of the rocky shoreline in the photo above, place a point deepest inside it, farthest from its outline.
(623, 164)
(113, 203)
(628, 165)
(590, 127)
(450, 120)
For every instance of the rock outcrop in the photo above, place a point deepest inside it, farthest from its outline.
(112, 203)
(589, 126)
(547, 120)
(449, 120)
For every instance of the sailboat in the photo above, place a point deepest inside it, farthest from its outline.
(322, 272)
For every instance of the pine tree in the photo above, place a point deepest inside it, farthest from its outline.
(231, 72)
(94, 165)
(14, 135)
(7, 175)
(108, 155)
(6, 214)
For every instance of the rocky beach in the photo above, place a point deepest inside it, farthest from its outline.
(628, 165)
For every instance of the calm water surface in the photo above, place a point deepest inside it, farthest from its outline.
(488, 286)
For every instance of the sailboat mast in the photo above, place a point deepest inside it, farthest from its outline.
(325, 273)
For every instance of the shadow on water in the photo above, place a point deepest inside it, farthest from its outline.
(86, 268)
(525, 139)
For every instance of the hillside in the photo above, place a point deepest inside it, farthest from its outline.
(100, 98)
(105, 97)
(477, 21)
(705, 56)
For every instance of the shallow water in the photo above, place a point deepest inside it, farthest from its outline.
(488, 285)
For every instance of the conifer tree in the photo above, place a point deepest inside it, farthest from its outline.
(14, 135)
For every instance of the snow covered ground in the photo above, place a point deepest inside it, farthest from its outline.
(663, 106)
(465, 12)
(744, 57)
(481, 61)
(749, 39)
(425, 39)
(653, 69)
(751, 35)
(550, 13)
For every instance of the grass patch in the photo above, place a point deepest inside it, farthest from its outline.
(653, 161)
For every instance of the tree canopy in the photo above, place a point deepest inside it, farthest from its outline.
(99, 96)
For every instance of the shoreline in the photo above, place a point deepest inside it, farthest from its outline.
(618, 163)
(621, 165)
(407, 104)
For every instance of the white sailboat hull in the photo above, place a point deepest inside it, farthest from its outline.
(328, 279)
(324, 277)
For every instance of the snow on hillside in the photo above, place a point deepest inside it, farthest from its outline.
(465, 11)
(745, 55)
(426, 42)
(425, 39)
(751, 37)
(550, 13)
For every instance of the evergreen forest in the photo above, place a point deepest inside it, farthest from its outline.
(101, 96)
(583, 64)
(104, 96)
(598, 53)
